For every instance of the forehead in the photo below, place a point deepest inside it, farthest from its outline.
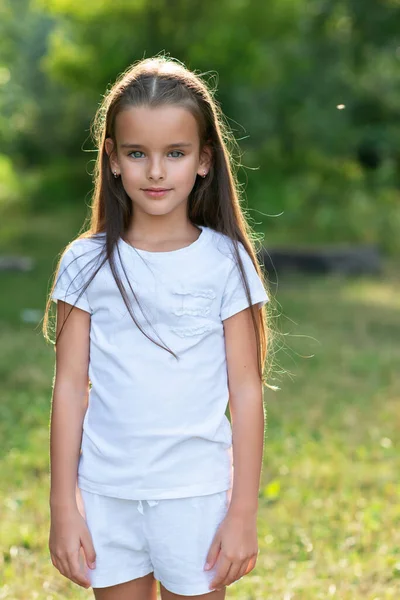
(155, 127)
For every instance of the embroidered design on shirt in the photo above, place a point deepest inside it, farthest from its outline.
(201, 312)
(208, 293)
(188, 331)
(193, 302)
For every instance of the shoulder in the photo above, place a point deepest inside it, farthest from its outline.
(84, 246)
(82, 253)
(225, 246)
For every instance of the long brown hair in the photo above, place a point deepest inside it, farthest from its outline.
(213, 202)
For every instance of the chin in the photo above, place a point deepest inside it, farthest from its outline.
(154, 210)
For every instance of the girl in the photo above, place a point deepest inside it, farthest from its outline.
(160, 322)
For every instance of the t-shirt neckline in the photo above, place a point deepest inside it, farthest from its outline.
(169, 253)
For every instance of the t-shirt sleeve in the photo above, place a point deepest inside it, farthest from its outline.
(70, 281)
(234, 297)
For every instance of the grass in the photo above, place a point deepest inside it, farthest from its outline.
(329, 518)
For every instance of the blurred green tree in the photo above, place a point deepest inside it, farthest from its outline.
(310, 90)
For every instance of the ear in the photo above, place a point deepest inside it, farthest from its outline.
(205, 160)
(112, 155)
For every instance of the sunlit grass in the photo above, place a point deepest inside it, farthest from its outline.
(329, 518)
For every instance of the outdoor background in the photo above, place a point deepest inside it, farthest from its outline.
(311, 90)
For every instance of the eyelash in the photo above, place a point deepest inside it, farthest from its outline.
(135, 151)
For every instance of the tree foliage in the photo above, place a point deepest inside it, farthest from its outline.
(311, 90)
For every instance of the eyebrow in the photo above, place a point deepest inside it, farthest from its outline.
(175, 145)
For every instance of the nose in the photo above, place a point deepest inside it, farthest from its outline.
(156, 169)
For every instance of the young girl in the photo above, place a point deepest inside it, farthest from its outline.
(160, 322)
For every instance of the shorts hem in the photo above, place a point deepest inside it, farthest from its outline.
(110, 578)
(191, 589)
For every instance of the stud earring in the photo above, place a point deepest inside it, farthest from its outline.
(205, 173)
(115, 174)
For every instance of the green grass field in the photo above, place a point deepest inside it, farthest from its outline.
(329, 518)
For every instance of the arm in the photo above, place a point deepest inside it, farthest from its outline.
(234, 548)
(247, 412)
(69, 531)
(69, 404)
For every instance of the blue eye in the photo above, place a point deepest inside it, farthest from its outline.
(139, 152)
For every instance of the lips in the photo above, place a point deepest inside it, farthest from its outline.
(156, 193)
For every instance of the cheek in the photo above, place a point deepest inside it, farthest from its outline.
(129, 168)
(132, 175)
(185, 173)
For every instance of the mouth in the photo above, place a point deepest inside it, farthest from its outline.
(156, 192)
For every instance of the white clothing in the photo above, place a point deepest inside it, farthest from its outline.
(155, 426)
(170, 538)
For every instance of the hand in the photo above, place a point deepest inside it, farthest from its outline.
(68, 532)
(234, 549)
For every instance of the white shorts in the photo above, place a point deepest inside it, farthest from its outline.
(170, 537)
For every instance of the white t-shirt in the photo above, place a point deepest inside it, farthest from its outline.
(156, 427)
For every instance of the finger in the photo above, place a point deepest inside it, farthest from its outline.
(231, 575)
(57, 563)
(69, 569)
(251, 565)
(89, 551)
(212, 554)
(64, 567)
(222, 567)
(75, 572)
(243, 570)
(54, 560)
(84, 567)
